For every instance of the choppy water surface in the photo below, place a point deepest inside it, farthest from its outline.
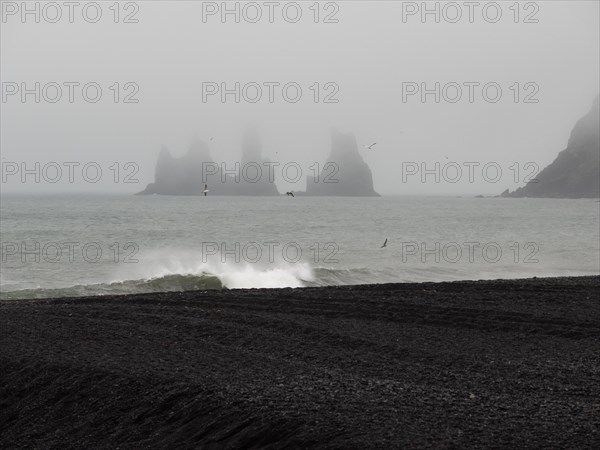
(92, 245)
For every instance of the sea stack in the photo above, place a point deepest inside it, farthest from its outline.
(254, 175)
(189, 174)
(344, 173)
(179, 176)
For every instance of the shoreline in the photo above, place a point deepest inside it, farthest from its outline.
(367, 286)
(462, 363)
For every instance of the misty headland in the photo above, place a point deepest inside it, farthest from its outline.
(575, 173)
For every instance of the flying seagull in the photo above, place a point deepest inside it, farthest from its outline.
(289, 194)
(369, 147)
(384, 243)
(205, 191)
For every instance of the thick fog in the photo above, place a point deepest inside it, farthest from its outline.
(365, 59)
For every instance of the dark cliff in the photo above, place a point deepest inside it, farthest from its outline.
(575, 173)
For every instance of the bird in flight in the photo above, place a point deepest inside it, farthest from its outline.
(369, 147)
(384, 243)
(205, 191)
(289, 194)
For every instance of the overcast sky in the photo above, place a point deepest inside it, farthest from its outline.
(366, 56)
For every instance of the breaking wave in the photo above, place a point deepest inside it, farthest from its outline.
(170, 278)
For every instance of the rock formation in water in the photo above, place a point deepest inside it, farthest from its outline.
(179, 176)
(254, 174)
(189, 174)
(344, 173)
(575, 173)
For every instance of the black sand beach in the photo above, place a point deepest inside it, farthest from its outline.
(464, 364)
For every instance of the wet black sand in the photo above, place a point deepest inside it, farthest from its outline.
(465, 364)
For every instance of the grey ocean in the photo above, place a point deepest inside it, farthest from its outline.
(73, 245)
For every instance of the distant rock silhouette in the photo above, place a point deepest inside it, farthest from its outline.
(179, 176)
(254, 179)
(575, 173)
(189, 174)
(344, 173)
